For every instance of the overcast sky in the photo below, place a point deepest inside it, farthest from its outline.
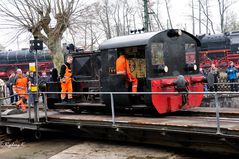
(180, 11)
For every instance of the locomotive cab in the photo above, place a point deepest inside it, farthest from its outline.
(157, 59)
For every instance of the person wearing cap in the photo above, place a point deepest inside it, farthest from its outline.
(65, 80)
(122, 67)
(20, 87)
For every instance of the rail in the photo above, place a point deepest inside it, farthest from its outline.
(111, 94)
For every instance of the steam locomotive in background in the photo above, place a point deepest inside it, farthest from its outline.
(11, 60)
(219, 49)
(159, 61)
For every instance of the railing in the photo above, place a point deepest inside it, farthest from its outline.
(111, 94)
(217, 105)
(225, 84)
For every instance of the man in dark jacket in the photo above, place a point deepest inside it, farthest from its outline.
(9, 85)
(213, 75)
(42, 83)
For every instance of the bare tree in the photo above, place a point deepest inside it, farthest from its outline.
(223, 6)
(156, 16)
(204, 5)
(106, 3)
(168, 12)
(140, 8)
(116, 17)
(103, 11)
(206, 13)
(128, 11)
(193, 17)
(90, 31)
(199, 17)
(231, 22)
(45, 19)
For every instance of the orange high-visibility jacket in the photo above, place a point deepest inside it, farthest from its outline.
(68, 73)
(66, 83)
(21, 85)
(122, 67)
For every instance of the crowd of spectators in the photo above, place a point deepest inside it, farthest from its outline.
(31, 78)
(212, 76)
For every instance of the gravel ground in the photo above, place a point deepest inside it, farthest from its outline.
(34, 150)
(93, 150)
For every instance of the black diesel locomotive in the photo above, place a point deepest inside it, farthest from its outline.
(157, 59)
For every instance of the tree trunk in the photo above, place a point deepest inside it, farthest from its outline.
(207, 22)
(107, 19)
(193, 19)
(168, 12)
(57, 55)
(200, 18)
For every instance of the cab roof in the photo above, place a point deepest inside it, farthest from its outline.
(135, 40)
(127, 41)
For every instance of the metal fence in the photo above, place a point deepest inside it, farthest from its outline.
(222, 86)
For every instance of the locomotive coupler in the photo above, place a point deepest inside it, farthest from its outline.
(181, 86)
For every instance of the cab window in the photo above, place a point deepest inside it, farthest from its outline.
(190, 53)
(157, 54)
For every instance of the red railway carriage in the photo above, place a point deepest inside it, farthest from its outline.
(157, 59)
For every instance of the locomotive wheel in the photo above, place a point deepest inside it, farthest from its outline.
(77, 110)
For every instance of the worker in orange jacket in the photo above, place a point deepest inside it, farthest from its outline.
(122, 67)
(66, 80)
(20, 87)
